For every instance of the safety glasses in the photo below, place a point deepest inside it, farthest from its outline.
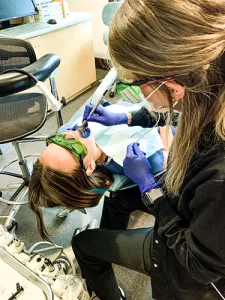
(146, 82)
(76, 147)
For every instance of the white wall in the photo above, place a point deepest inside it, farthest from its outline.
(95, 7)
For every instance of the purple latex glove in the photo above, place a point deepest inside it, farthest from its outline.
(104, 117)
(138, 169)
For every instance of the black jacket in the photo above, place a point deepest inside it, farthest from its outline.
(143, 118)
(189, 233)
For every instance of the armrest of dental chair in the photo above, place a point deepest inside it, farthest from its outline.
(11, 83)
(122, 182)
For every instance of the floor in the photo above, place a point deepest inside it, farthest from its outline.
(136, 286)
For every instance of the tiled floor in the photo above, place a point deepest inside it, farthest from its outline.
(136, 286)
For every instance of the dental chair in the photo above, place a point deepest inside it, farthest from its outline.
(121, 182)
(24, 113)
(108, 13)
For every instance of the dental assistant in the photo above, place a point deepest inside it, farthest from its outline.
(173, 50)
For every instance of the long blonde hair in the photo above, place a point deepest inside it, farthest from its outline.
(184, 40)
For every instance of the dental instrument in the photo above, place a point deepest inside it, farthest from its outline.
(83, 129)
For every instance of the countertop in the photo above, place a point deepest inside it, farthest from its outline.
(71, 19)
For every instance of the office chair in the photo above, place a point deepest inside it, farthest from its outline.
(22, 114)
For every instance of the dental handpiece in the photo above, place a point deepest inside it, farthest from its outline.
(84, 131)
(94, 108)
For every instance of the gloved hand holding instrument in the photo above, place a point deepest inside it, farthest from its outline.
(138, 169)
(103, 116)
(83, 129)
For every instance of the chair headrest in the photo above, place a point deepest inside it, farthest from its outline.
(108, 12)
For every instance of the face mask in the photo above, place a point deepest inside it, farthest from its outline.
(152, 106)
(74, 146)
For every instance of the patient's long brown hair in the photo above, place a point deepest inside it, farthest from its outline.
(50, 188)
(184, 40)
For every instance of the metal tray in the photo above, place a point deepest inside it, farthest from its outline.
(27, 273)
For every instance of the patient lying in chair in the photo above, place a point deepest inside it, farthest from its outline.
(74, 171)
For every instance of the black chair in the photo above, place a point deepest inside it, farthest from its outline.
(22, 114)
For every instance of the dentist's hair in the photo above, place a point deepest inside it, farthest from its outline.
(49, 188)
(184, 40)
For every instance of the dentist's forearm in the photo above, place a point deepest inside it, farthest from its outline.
(145, 119)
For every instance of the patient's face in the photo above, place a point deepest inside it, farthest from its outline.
(61, 159)
(88, 142)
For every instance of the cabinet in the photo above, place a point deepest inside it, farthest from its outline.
(95, 7)
(74, 45)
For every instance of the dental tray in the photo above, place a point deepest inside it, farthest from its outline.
(12, 272)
